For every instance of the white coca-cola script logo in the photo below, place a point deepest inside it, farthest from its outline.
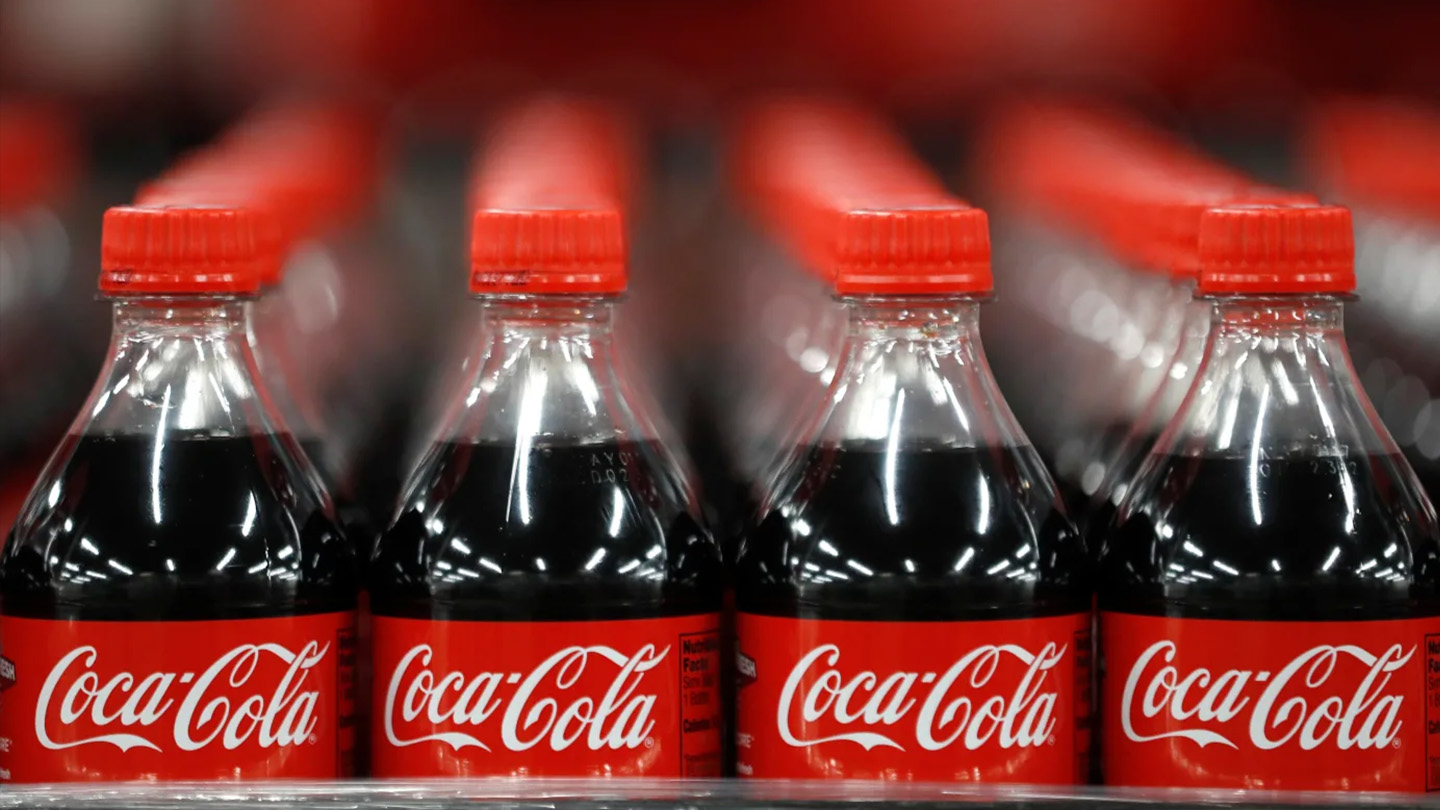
(1018, 712)
(1301, 702)
(615, 719)
(225, 702)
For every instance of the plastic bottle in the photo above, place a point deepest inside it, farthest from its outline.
(175, 600)
(548, 555)
(913, 558)
(1270, 579)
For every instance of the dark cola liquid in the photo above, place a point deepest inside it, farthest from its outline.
(205, 528)
(1305, 539)
(918, 534)
(572, 532)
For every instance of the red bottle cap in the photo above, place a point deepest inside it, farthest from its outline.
(1277, 250)
(880, 249)
(549, 202)
(1384, 154)
(38, 156)
(180, 250)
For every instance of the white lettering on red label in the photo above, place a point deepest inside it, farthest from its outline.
(995, 700)
(1000, 693)
(535, 708)
(222, 704)
(1307, 701)
(1283, 705)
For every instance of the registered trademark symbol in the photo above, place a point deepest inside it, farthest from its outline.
(1050, 740)
(313, 740)
(1395, 744)
(649, 742)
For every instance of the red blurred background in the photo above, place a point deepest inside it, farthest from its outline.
(136, 63)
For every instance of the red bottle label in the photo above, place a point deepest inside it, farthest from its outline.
(1285, 705)
(1004, 700)
(121, 701)
(598, 698)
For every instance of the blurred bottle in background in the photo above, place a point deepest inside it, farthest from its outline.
(331, 311)
(44, 325)
(341, 318)
(782, 154)
(1382, 157)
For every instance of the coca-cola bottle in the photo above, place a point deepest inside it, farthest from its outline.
(913, 603)
(1270, 584)
(175, 599)
(546, 601)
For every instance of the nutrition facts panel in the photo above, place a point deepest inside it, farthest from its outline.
(701, 736)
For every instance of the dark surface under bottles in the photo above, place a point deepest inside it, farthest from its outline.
(199, 527)
(913, 534)
(1325, 538)
(495, 532)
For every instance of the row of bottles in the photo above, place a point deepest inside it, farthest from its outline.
(1234, 583)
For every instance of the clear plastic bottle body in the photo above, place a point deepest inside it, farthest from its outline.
(177, 558)
(173, 495)
(1396, 332)
(1275, 492)
(913, 493)
(548, 490)
(913, 532)
(1275, 563)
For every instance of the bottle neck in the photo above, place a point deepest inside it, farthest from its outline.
(146, 318)
(587, 317)
(937, 320)
(1314, 318)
